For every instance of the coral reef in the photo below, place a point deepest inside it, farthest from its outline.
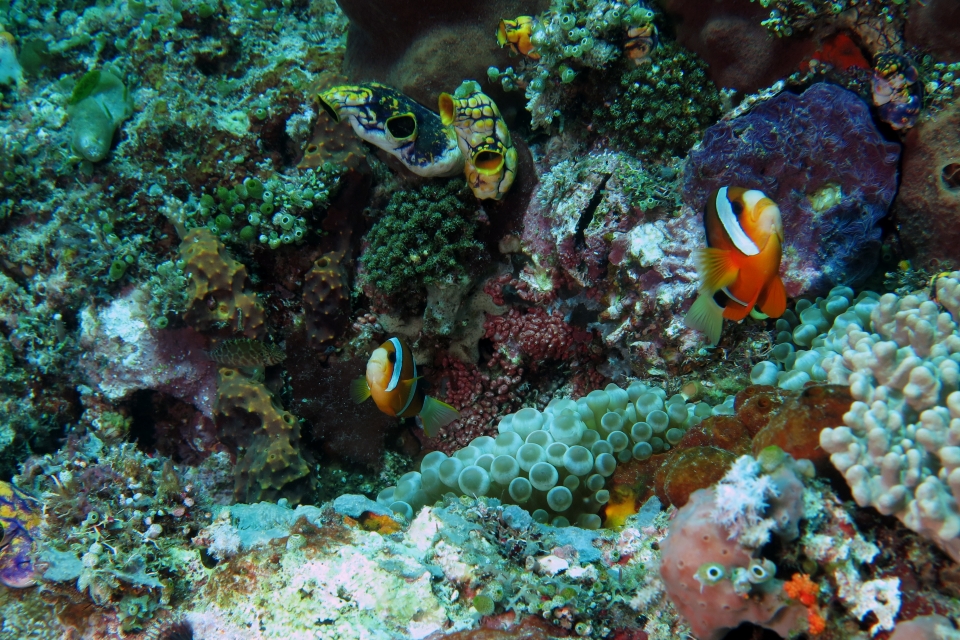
(794, 149)
(196, 260)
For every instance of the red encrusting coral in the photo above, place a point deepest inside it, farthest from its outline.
(482, 398)
(535, 334)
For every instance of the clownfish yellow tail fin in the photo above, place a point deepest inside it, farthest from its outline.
(773, 298)
(359, 390)
(715, 268)
(435, 415)
(707, 316)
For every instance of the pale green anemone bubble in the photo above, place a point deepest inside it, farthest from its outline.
(804, 334)
(474, 481)
(641, 432)
(657, 443)
(560, 521)
(468, 454)
(484, 443)
(605, 464)
(559, 499)
(529, 455)
(571, 482)
(542, 438)
(543, 476)
(674, 399)
(610, 422)
(526, 421)
(566, 428)
(449, 471)
(541, 516)
(674, 435)
(598, 401)
(578, 461)
(642, 450)
(386, 496)
(520, 490)
(703, 410)
(504, 469)
(646, 403)
(588, 438)
(764, 373)
(601, 497)
(589, 521)
(618, 397)
(555, 453)
(793, 380)
(782, 351)
(618, 440)
(432, 460)
(658, 421)
(601, 446)
(635, 389)
(430, 481)
(626, 455)
(485, 461)
(507, 444)
(403, 509)
(595, 482)
(677, 414)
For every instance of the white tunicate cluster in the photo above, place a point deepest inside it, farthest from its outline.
(899, 447)
(555, 463)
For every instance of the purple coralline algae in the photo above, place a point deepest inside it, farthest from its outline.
(819, 156)
(19, 516)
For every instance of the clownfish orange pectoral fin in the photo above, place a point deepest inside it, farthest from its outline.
(707, 316)
(773, 298)
(435, 415)
(359, 390)
(716, 268)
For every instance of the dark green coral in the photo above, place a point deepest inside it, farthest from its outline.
(662, 108)
(426, 236)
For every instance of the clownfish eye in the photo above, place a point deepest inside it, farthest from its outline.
(737, 207)
(392, 357)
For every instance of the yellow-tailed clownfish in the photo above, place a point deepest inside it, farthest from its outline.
(392, 381)
(740, 268)
(517, 34)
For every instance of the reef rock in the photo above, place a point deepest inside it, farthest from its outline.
(821, 159)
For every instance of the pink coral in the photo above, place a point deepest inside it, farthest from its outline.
(482, 398)
(535, 334)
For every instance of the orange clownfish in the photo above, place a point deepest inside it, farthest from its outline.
(740, 268)
(392, 381)
(517, 34)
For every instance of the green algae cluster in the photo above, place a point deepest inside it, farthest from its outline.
(661, 109)
(426, 236)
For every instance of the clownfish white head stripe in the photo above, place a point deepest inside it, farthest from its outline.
(397, 364)
(732, 225)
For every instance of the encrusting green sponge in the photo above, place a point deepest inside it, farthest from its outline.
(99, 104)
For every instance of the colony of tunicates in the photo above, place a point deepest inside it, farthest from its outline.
(556, 463)
(800, 342)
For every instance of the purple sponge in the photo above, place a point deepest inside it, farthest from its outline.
(820, 157)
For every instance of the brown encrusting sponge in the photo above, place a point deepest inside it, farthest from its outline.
(271, 466)
(326, 301)
(217, 297)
